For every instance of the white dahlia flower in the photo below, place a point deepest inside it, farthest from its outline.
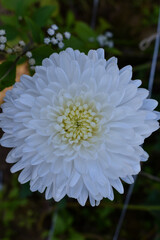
(76, 126)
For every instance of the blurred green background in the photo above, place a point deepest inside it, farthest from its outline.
(25, 215)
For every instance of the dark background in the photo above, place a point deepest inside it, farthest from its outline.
(25, 215)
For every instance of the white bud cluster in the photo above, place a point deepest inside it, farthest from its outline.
(3, 39)
(105, 40)
(9, 50)
(56, 38)
(18, 48)
(28, 54)
(22, 43)
(31, 60)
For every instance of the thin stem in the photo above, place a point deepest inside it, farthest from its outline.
(154, 59)
(53, 223)
(26, 48)
(120, 206)
(10, 69)
(94, 13)
(123, 213)
(1, 180)
(148, 175)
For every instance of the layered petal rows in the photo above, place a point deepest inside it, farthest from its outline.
(76, 127)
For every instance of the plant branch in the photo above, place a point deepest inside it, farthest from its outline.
(16, 60)
(148, 175)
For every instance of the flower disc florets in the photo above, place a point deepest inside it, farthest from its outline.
(76, 126)
(77, 123)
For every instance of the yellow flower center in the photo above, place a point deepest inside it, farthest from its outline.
(78, 122)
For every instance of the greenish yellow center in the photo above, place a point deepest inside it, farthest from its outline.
(78, 122)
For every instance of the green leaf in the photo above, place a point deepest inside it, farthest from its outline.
(19, 6)
(35, 30)
(41, 52)
(62, 224)
(113, 51)
(54, 3)
(43, 14)
(9, 4)
(75, 235)
(11, 32)
(23, 6)
(7, 74)
(25, 191)
(83, 31)
(10, 20)
(74, 42)
(70, 20)
(103, 25)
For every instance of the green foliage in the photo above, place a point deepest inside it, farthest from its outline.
(19, 6)
(75, 235)
(34, 30)
(54, 3)
(42, 15)
(27, 215)
(83, 31)
(42, 52)
(70, 19)
(103, 25)
(7, 74)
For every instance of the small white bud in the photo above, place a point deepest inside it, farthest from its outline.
(20, 18)
(109, 34)
(29, 54)
(91, 39)
(110, 44)
(3, 39)
(59, 36)
(2, 32)
(47, 40)
(50, 31)
(101, 39)
(54, 27)
(60, 44)
(32, 61)
(2, 47)
(22, 43)
(54, 41)
(9, 50)
(32, 68)
(17, 49)
(67, 35)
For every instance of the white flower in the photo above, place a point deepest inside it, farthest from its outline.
(22, 43)
(50, 31)
(76, 127)
(32, 61)
(17, 49)
(32, 68)
(20, 18)
(3, 39)
(104, 40)
(28, 54)
(67, 35)
(110, 44)
(47, 40)
(2, 47)
(54, 41)
(60, 44)
(101, 39)
(9, 50)
(55, 27)
(109, 34)
(2, 32)
(59, 36)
